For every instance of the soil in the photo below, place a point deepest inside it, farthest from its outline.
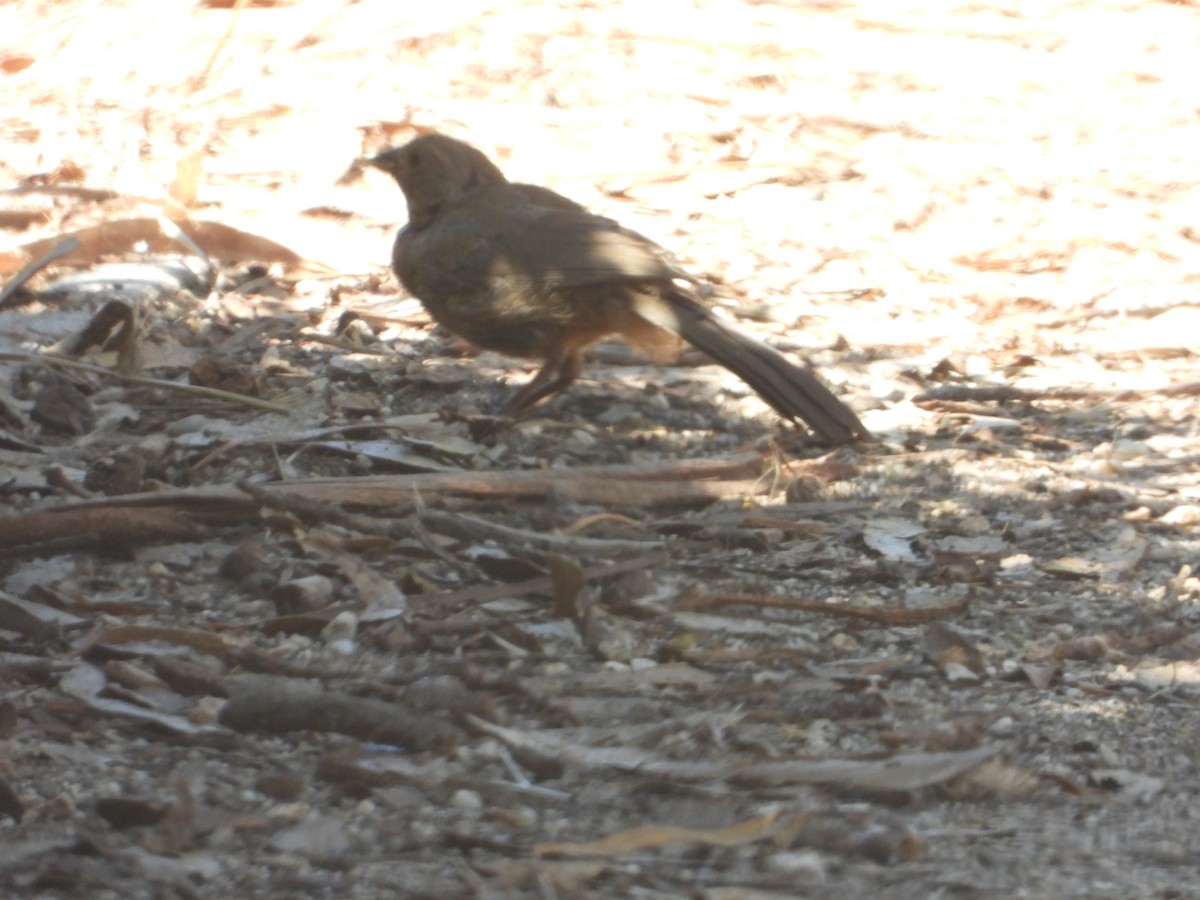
(286, 612)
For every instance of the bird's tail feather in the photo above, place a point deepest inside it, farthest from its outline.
(792, 391)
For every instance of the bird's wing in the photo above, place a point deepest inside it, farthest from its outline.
(552, 242)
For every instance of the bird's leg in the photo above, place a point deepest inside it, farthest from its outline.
(561, 368)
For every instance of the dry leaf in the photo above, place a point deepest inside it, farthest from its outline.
(126, 236)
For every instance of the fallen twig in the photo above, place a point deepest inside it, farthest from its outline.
(58, 251)
(880, 615)
(38, 359)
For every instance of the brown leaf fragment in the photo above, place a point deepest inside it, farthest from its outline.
(131, 812)
(607, 636)
(204, 641)
(224, 375)
(1007, 259)
(994, 779)
(121, 473)
(884, 844)
(10, 65)
(248, 558)
(19, 220)
(540, 585)
(132, 676)
(1070, 785)
(1136, 786)
(1083, 648)
(958, 563)
(957, 734)
(286, 786)
(63, 408)
(363, 772)
(113, 327)
(194, 675)
(498, 565)
(279, 705)
(302, 595)
(120, 236)
(1116, 558)
(952, 651)
(567, 580)
(309, 624)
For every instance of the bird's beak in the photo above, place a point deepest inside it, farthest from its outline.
(384, 161)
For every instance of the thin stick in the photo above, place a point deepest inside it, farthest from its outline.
(59, 250)
(194, 389)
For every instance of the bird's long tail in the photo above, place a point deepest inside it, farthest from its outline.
(794, 392)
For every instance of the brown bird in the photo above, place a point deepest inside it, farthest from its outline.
(522, 270)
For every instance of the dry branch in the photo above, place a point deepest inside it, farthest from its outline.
(173, 515)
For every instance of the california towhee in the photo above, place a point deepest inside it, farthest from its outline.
(522, 270)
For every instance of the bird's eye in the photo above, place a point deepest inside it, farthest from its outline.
(414, 160)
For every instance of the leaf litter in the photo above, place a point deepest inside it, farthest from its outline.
(277, 618)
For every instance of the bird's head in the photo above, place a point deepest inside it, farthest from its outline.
(436, 171)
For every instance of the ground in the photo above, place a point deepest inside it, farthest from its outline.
(279, 619)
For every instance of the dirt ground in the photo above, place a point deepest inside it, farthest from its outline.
(276, 622)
